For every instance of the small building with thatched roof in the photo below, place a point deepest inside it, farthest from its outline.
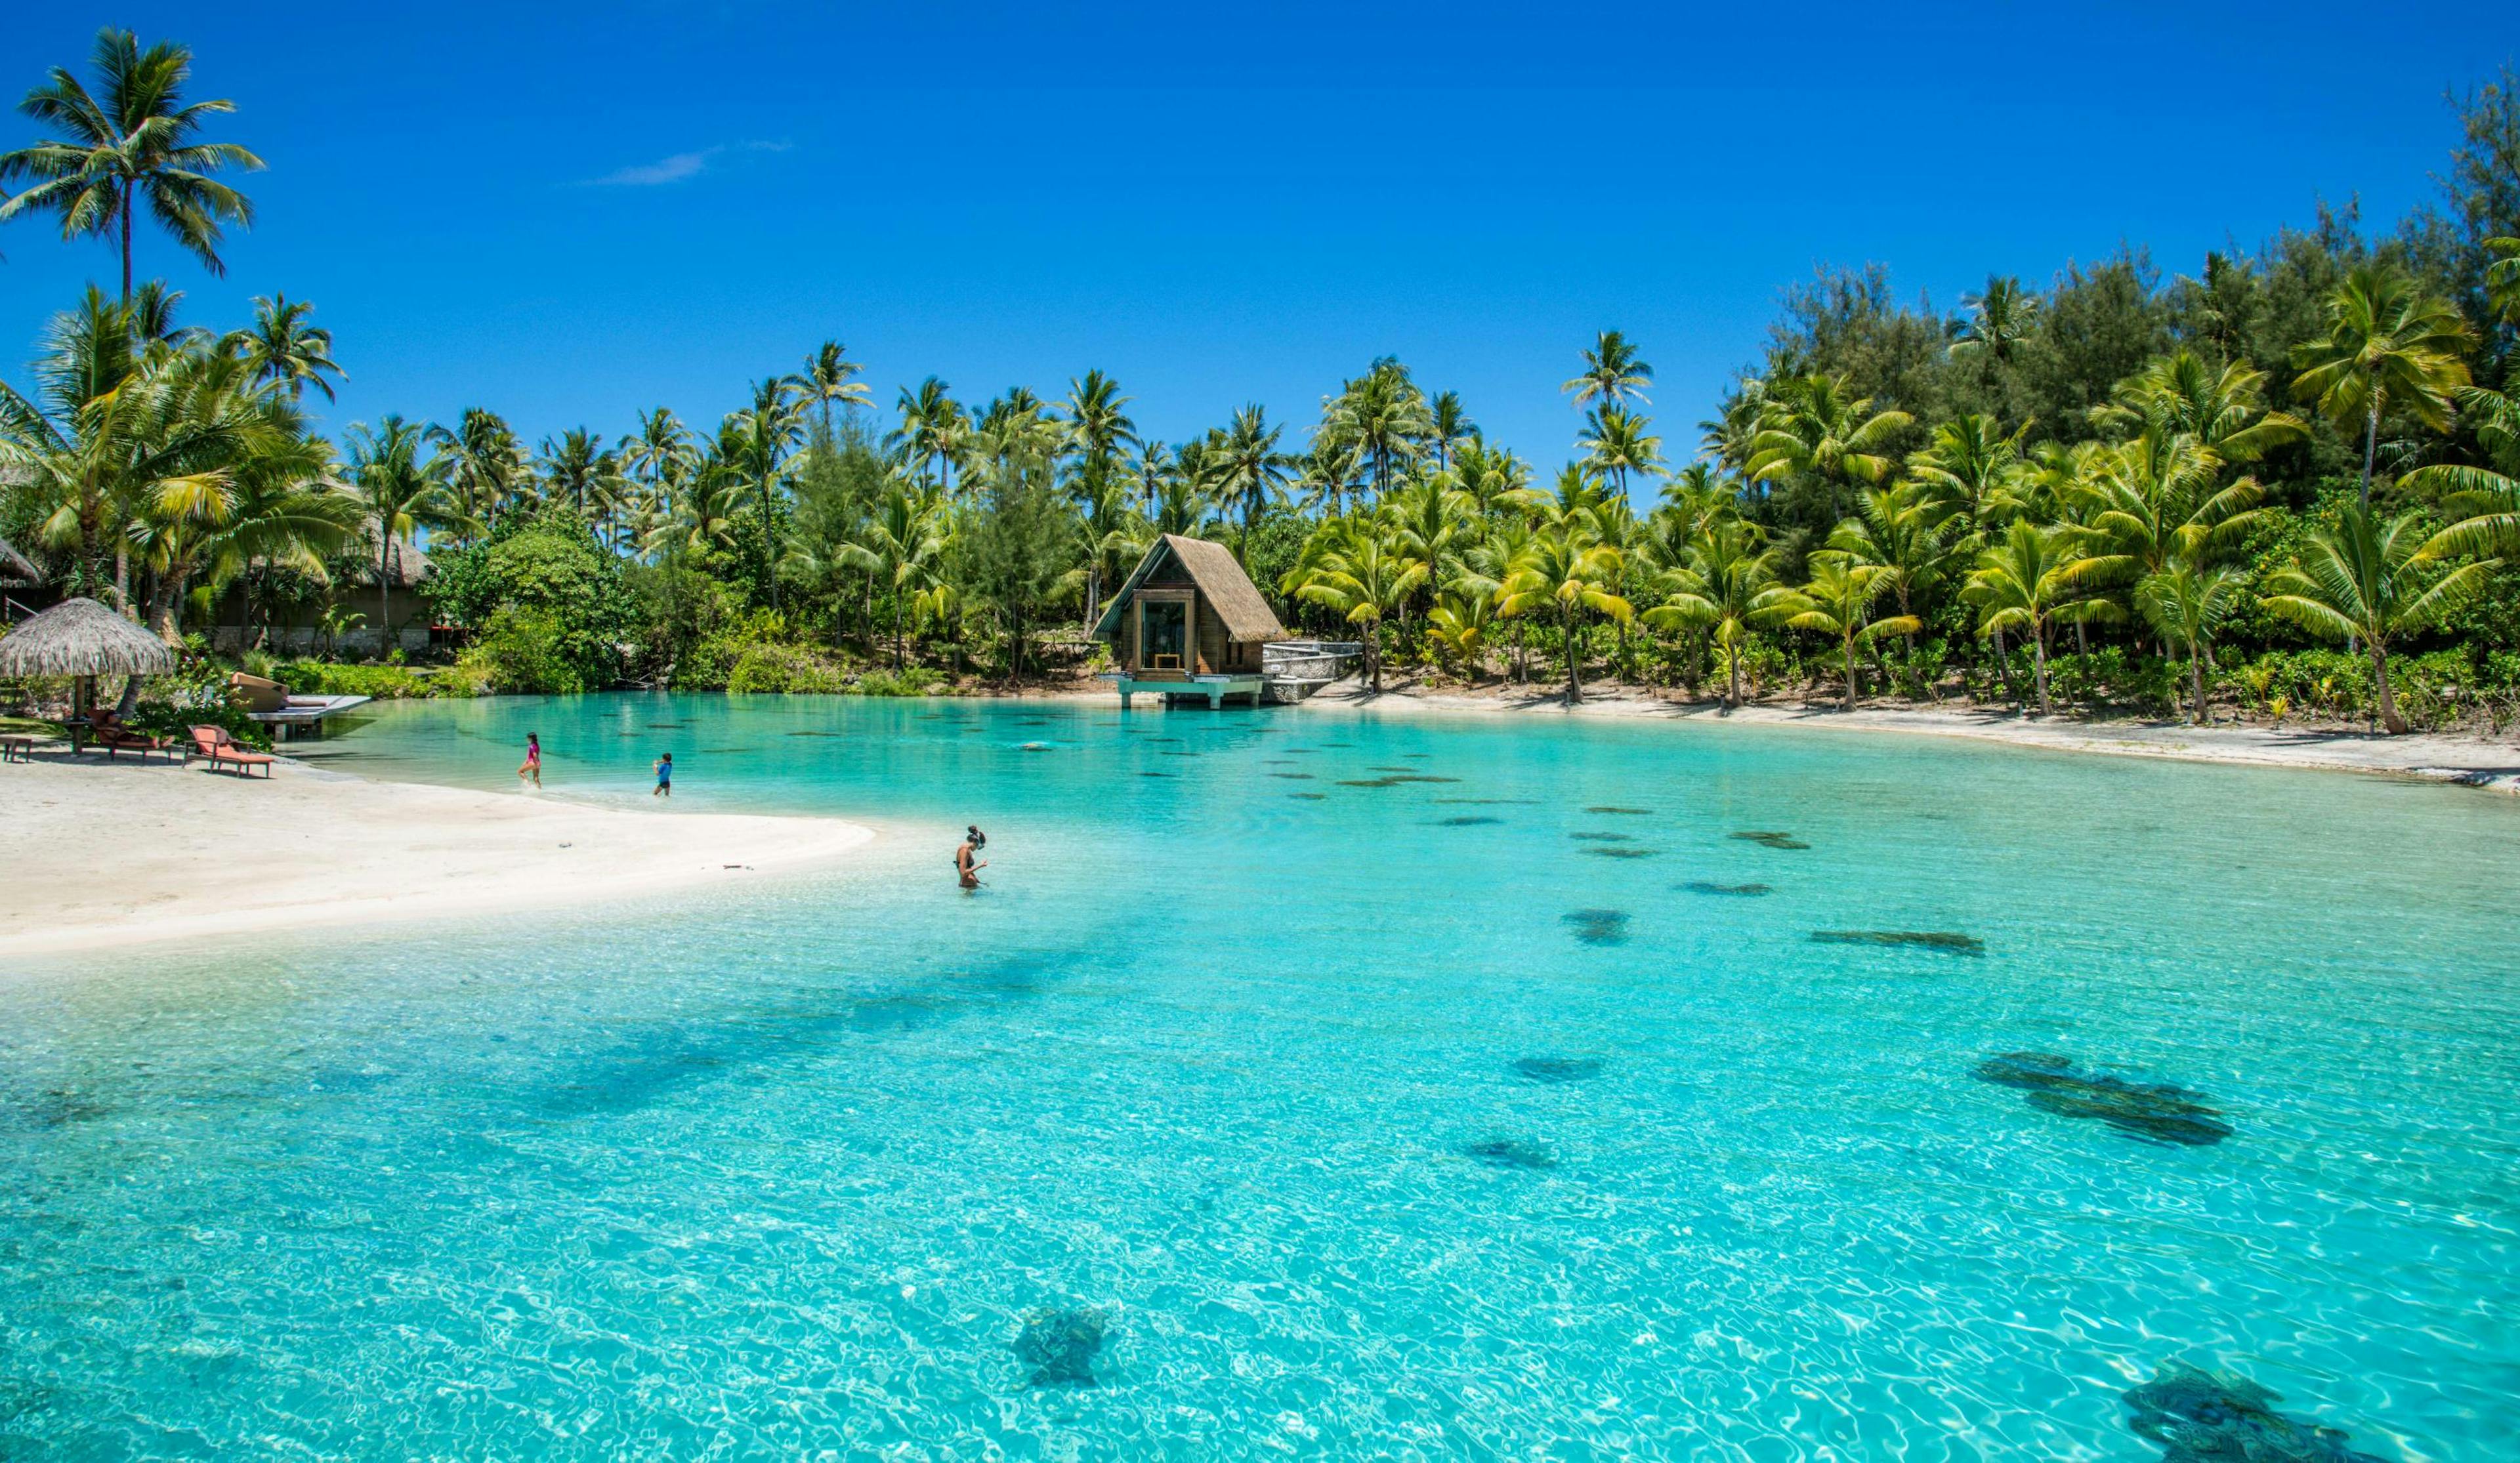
(1188, 622)
(84, 639)
(16, 571)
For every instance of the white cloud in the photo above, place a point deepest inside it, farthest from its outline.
(678, 167)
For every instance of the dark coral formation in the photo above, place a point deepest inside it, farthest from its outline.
(1703, 886)
(2200, 1416)
(1599, 852)
(1951, 941)
(1059, 1346)
(1557, 1069)
(1613, 807)
(1599, 926)
(1465, 822)
(2155, 1111)
(1592, 837)
(1511, 1153)
(1393, 780)
(1773, 841)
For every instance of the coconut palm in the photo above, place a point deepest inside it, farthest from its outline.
(1904, 531)
(1360, 578)
(2389, 347)
(1250, 471)
(934, 429)
(829, 376)
(2223, 407)
(2000, 318)
(1448, 423)
(1458, 627)
(1971, 465)
(2154, 499)
(659, 453)
(1615, 443)
(898, 546)
(1098, 427)
(2482, 499)
(2026, 581)
(2366, 580)
(2187, 602)
(132, 141)
(399, 495)
(282, 348)
(485, 465)
(1567, 571)
(1813, 430)
(1838, 600)
(1382, 415)
(1725, 589)
(1613, 374)
(577, 468)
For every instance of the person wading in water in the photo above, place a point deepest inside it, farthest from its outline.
(966, 862)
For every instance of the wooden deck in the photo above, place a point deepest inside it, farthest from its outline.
(1213, 690)
(306, 711)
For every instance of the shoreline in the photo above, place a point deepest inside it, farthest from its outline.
(2467, 761)
(123, 853)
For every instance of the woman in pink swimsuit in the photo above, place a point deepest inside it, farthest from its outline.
(532, 770)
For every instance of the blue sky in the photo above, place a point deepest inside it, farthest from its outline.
(572, 213)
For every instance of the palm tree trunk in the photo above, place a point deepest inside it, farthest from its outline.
(1732, 678)
(896, 630)
(1574, 657)
(2371, 447)
(162, 606)
(2389, 717)
(385, 594)
(1851, 664)
(2003, 663)
(2196, 680)
(2039, 661)
(126, 246)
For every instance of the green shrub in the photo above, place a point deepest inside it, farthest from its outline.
(524, 653)
(195, 695)
(768, 666)
(383, 683)
(916, 681)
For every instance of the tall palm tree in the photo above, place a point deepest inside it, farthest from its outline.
(1448, 423)
(1615, 443)
(2154, 499)
(485, 465)
(1727, 588)
(934, 429)
(1613, 374)
(1250, 470)
(2223, 407)
(1904, 531)
(283, 347)
(659, 453)
(2026, 581)
(399, 495)
(2187, 602)
(1566, 569)
(1098, 427)
(1384, 416)
(133, 141)
(829, 376)
(2366, 580)
(577, 467)
(2483, 500)
(1360, 578)
(764, 432)
(1838, 602)
(1971, 464)
(2389, 345)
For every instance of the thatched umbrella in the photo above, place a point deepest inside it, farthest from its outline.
(82, 637)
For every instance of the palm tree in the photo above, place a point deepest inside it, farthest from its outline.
(1726, 588)
(1459, 624)
(1838, 600)
(2389, 345)
(2186, 603)
(577, 467)
(1250, 470)
(934, 429)
(1971, 465)
(2000, 319)
(1097, 422)
(132, 141)
(1613, 374)
(2026, 581)
(2223, 407)
(485, 465)
(400, 495)
(1616, 443)
(1382, 415)
(2365, 580)
(898, 544)
(1448, 425)
(1812, 429)
(829, 376)
(2484, 499)
(1904, 531)
(659, 453)
(762, 435)
(1359, 578)
(2153, 498)
(1566, 568)
(282, 348)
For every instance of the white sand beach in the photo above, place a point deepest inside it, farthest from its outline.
(119, 853)
(2475, 761)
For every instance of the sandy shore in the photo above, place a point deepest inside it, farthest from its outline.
(2473, 761)
(117, 853)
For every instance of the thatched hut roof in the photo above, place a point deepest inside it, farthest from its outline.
(16, 568)
(1237, 601)
(82, 637)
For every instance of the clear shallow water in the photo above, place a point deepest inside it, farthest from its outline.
(1235, 1071)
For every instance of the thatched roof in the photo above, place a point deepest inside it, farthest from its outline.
(82, 637)
(16, 568)
(1211, 567)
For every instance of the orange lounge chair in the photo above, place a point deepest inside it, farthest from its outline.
(214, 744)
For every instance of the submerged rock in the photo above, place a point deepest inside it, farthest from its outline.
(1945, 940)
(1511, 1153)
(1701, 886)
(1465, 822)
(1601, 837)
(2200, 1416)
(1613, 807)
(1155, 774)
(1773, 841)
(1393, 780)
(2153, 1111)
(1309, 797)
(1599, 852)
(1557, 1069)
(1059, 1346)
(1599, 926)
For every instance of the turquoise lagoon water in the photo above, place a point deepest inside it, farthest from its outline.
(1435, 1117)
